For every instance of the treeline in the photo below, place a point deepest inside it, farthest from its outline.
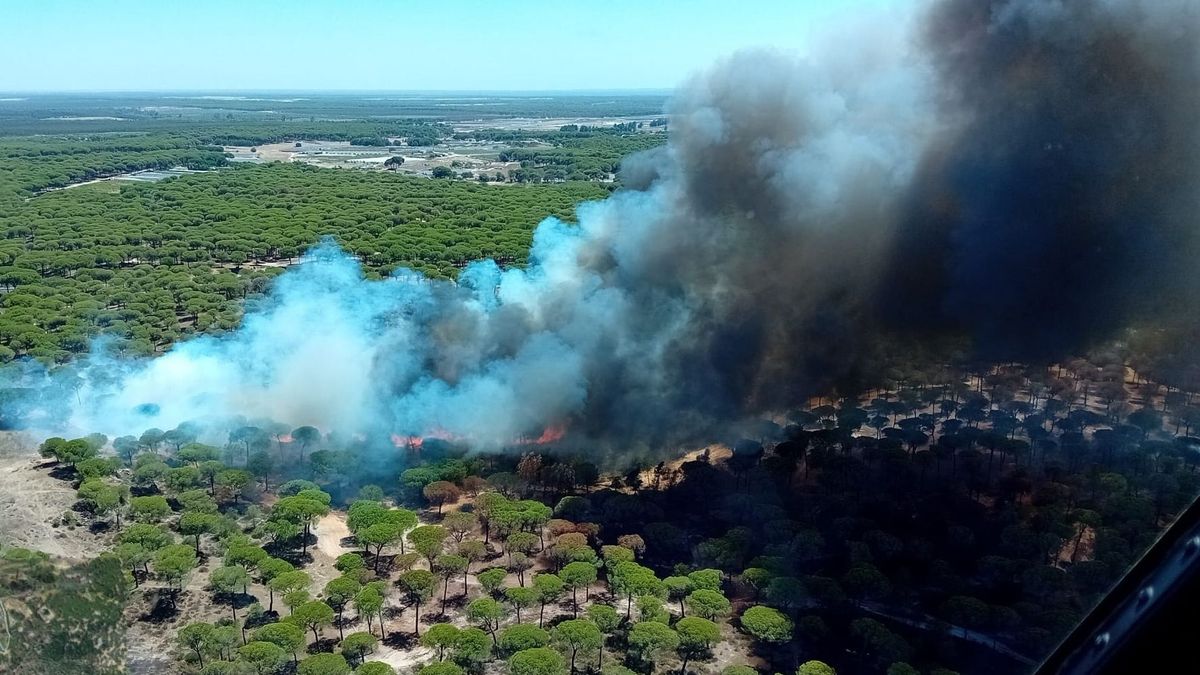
(33, 148)
(618, 128)
(250, 133)
(552, 136)
(31, 164)
(93, 113)
(595, 157)
(27, 174)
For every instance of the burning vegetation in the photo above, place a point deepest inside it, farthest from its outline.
(976, 238)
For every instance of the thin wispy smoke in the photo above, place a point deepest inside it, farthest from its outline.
(1023, 173)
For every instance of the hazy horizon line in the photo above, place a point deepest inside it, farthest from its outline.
(636, 91)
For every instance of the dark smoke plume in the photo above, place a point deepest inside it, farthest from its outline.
(1059, 202)
(1022, 174)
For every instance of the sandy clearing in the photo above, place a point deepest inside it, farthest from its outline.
(402, 660)
(370, 160)
(330, 530)
(30, 499)
(268, 152)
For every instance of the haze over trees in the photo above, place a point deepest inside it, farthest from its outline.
(147, 263)
(157, 261)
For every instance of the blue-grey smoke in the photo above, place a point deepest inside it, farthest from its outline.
(747, 263)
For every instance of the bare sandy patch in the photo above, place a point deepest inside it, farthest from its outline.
(31, 501)
(330, 531)
(402, 661)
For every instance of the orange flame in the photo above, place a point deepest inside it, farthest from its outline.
(407, 442)
(551, 434)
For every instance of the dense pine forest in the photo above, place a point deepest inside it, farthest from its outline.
(147, 263)
(954, 520)
(153, 261)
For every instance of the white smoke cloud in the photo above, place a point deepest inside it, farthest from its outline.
(740, 270)
(614, 327)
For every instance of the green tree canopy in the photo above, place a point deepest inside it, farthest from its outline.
(375, 668)
(440, 636)
(472, 648)
(491, 579)
(441, 668)
(313, 615)
(324, 664)
(419, 586)
(696, 636)
(537, 661)
(485, 613)
(650, 639)
(767, 624)
(287, 636)
(577, 575)
(521, 636)
(815, 668)
(577, 637)
(707, 603)
(520, 597)
(357, 645)
(266, 657)
(174, 562)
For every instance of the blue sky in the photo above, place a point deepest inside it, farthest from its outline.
(140, 45)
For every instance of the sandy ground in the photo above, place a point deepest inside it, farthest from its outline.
(330, 531)
(30, 500)
(402, 661)
(478, 158)
(152, 649)
(1087, 546)
(268, 152)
